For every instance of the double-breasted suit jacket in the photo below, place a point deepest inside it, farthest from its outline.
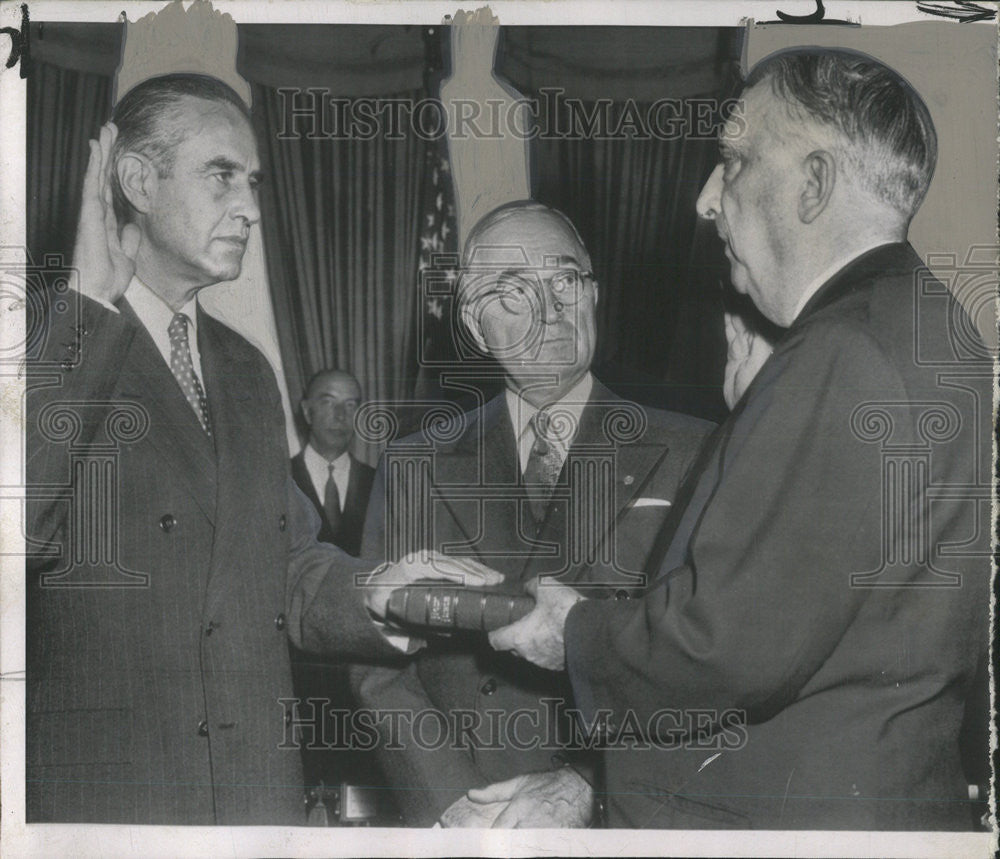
(614, 492)
(167, 570)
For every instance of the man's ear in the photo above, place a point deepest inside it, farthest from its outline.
(820, 175)
(137, 178)
(306, 415)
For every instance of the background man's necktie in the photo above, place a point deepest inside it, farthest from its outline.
(544, 464)
(183, 369)
(331, 501)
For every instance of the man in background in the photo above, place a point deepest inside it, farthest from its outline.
(335, 481)
(556, 475)
(338, 485)
(160, 601)
(804, 654)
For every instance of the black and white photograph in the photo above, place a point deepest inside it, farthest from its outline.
(534, 428)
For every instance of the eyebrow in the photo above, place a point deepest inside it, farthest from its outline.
(560, 260)
(221, 162)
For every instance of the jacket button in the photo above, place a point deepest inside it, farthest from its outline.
(203, 728)
(279, 622)
(211, 627)
(167, 523)
(282, 522)
(489, 687)
(621, 595)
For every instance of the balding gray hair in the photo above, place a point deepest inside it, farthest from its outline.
(890, 141)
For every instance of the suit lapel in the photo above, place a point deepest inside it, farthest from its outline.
(233, 389)
(174, 428)
(593, 501)
(304, 479)
(485, 457)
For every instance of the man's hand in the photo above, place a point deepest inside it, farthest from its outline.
(406, 571)
(104, 258)
(538, 636)
(746, 354)
(560, 799)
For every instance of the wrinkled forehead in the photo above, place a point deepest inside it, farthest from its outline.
(764, 120)
(523, 241)
(338, 387)
(215, 125)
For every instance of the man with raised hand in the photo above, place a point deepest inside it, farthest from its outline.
(803, 655)
(158, 680)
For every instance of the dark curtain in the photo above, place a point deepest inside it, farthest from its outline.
(65, 109)
(342, 249)
(660, 332)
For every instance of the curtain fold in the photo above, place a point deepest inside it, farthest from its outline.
(342, 246)
(660, 337)
(65, 109)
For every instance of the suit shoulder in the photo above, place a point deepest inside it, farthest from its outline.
(230, 339)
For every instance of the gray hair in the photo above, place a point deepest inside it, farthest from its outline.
(150, 121)
(890, 138)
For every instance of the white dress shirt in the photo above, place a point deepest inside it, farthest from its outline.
(521, 413)
(319, 471)
(156, 317)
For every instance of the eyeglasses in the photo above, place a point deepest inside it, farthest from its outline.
(519, 292)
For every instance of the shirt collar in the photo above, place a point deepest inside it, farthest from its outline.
(153, 311)
(314, 458)
(817, 282)
(574, 401)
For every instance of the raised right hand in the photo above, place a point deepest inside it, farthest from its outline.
(103, 257)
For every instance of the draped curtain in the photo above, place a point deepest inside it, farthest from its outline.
(659, 316)
(342, 248)
(65, 109)
(342, 218)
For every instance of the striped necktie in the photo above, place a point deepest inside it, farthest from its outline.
(545, 462)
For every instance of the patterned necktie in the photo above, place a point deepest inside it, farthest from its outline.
(331, 501)
(183, 369)
(544, 465)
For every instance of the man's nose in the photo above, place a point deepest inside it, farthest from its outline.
(552, 305)
(246, 206)
(708, 205)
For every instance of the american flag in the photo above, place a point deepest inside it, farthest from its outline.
(437, 270)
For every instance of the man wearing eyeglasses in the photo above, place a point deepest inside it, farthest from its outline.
(555, 476)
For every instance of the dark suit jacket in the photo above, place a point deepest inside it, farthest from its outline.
(806, 617)
(623, 460)
(159, 608)
(355, 505)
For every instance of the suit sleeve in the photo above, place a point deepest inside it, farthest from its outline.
(765, 592)
(325, 591)
(79, 363)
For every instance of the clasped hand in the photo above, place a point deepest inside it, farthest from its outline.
(538, 636)
(560, 799)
